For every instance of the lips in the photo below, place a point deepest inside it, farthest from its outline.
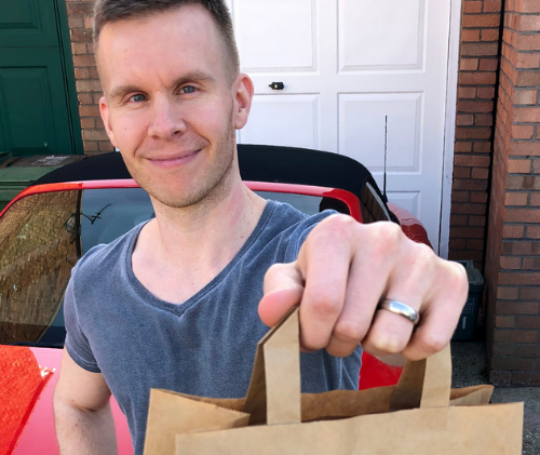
(174, 160)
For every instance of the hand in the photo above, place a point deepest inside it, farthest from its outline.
(344, 269)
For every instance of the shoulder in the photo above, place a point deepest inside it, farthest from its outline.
(102, 260)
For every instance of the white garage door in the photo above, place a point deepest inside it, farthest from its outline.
(362, 78)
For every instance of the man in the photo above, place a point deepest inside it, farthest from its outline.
(177, 300)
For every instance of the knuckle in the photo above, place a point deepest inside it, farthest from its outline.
(387, 236)
(431, 343)
(336, 227)
(325, 305)
(349, 331)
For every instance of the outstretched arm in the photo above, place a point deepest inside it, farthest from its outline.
(345, 270)
(83, 418)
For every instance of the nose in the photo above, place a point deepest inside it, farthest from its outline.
(166, 119)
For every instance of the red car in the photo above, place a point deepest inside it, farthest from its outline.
(50, 225)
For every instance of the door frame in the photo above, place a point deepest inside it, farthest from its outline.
(69, 76)
(450, 126)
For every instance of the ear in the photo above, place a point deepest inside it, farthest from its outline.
(105, 116)
(243, 96)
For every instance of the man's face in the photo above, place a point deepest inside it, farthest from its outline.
(171, 104)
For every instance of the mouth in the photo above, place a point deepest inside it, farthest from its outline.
(175, 160)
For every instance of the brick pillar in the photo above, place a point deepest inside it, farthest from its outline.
(95, 138)
(479, 49)
(513, 247)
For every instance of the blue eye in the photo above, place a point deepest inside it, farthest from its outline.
(138, 98)
(188, 89)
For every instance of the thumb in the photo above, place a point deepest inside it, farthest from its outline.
(283, 289)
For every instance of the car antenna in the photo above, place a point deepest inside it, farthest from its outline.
(385, 155)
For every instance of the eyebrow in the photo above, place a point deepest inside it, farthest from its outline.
(195, 76)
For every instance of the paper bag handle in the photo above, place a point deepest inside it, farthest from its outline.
(425, 383)
(274, 394)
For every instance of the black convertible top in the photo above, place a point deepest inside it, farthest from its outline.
(263, 163)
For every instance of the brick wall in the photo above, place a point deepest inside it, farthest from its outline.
(95, 138)
(479, 58)
(513, 259)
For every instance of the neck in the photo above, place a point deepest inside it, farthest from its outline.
(191, 245)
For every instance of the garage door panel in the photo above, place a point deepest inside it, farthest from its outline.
(375, 127)
(290, 120)
(276, 35)
(396, 27)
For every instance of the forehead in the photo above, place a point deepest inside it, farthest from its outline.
(169, 43)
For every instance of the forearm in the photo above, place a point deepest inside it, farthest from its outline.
(83, 432)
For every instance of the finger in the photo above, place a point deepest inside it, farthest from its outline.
(283, 288)
(409, 283)
(324, 261)
(366, 283)
(441, 314)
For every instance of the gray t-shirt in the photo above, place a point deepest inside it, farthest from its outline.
(204, 346)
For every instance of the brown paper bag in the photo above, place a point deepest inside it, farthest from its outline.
(419, 416)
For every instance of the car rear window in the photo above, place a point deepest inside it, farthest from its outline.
(42, 236)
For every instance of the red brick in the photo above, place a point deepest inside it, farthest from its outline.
(89, 22)
(462, 173)
(527, 6)
(528, 23)
(75, 22)
(521, 248)
(469, 209)
(512, 364)
(87, 123)
(492, 6)
(458, 220)
(475, 106)
(486, 93)
(85, 98)
(535, 199)
(84, 60)
(90, 146)
(526, 379)
(460, 196)
(477, 197)
(465, 119)
(473, 132)
(483, 119)
(457, 244)
(510, 262)
(525, 97)
(81, 36)
(89, 86)
(515, 336)
(531, 263)
(480, 173)
(524, 60)
(522, 132)
(471, 160)
(523, 182)
(512, 232)
(507, 322)
(470, 184)
(475, 245)
(82, 73)
(528, 351)
(105, 146)
(516, 308)
(80, 8)
(470, 35)
(533, 232)
(468, 232)
(482, 147)
(472, 7)
(536, 166)
(527, 78)
(477, 220)
(524, 149)
(94, 135)
(463, 146)
(474, 78)
(503, 349)
(89, 111)
(512, 198)
(481, 20)
(490, 34)
(527, 114)
(520, 278)
(532, 293)
(78, 48)
(467, 92)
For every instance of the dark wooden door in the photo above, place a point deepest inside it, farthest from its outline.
(35, 115)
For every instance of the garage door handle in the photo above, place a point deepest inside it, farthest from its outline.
(277, 86)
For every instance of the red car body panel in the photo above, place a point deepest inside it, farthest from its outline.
(38, 425)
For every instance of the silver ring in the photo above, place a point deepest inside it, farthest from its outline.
(400, 308)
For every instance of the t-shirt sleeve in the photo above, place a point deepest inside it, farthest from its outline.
(77, 344)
